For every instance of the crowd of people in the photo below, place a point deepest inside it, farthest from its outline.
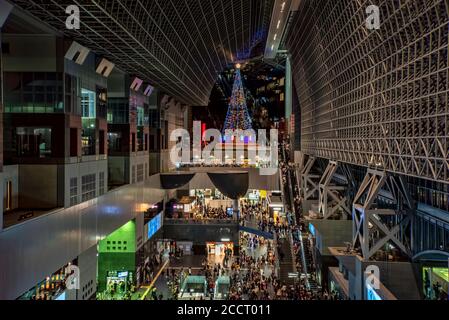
(253, 272)
(203, 212)
(258, 215)
(215, 213)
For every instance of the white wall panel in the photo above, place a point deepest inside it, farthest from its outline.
(31, 251)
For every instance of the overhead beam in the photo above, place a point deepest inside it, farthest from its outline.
(281, 13)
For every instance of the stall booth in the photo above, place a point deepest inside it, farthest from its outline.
(219, 248)
(118, 283)
(276, 206)
(54, 286)
(256, 196)
(218, 203)
(203, 194)
(184, 208)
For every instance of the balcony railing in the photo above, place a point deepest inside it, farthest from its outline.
(200, 221)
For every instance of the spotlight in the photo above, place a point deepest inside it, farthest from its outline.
(238, 65)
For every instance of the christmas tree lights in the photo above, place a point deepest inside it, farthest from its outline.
(237, 117)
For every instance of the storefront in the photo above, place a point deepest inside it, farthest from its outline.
(255, 196)
(203, 194)
(277, 212)
(184, 208)
(119, 282)
(53, 287)
(276, 206)
(117, 263)
(219, 248)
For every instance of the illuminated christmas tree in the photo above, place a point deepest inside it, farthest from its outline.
(238, 115)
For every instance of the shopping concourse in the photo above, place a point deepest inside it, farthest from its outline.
(224, 150)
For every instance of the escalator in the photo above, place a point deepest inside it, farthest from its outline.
(304, 257)
(286, 260)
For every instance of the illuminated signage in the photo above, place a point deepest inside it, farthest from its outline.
(154, 225)
(312, 229)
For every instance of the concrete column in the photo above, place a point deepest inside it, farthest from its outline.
(87, 264)
(236, 212)
(5, 10)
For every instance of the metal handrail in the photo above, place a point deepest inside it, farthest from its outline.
(200, 221)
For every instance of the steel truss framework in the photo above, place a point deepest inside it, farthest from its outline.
(309, 181)
(332, 200)
(179, 46)
(374, 97)
(376, 224)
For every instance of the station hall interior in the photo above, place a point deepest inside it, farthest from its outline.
(224, 150)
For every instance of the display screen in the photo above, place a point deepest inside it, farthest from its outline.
(154, 225)
(230, 211)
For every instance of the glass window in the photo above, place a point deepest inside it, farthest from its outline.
(33, 142)
(140, 116)
(115, 141)
(140, 139)
(446, 231)
(101, 182)
(88, 142)
(140, 176)
(88, 104)
(102, 103)
(118, 110)
(133, 142)
(102, 142)
(154, 118)
(73, 191)
(37, 92)
(88, 186)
